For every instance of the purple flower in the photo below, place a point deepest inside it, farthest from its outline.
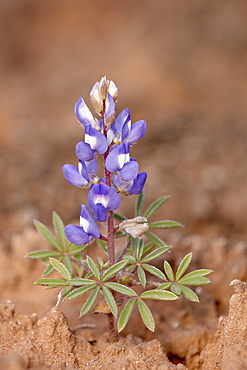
(101, 198)
(84, 233)
(130, 187)
(95, 141)
(81, 175)
(123, 131)
(118, 160)
(83, 114)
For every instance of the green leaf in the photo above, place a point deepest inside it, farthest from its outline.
(102, 245)
(155, 239)
(168, 271)
(113, 270)
(139, 204)
(139, 249)
(66, 290)
(194, 281)
(141, 276)
(198, 273)
(59, 229)
(61, 268)
(176, 289)
(148, 247)
(119, 217)
(80, 281)
(146, 315)
(183, 266)
(121, 289)
(43, 254)
(167, 224)
(154, 271)
(90, 301)
(43, 230)
(49, 269)
(75, 249)
(68, 264)
(162, 295)
(133, 245)
(164, 286)
(110, 300)
(46, 281)
(93, 267)
(189, 294)
(125, 314)
(80, 291)
(156, 253)
(155, 206)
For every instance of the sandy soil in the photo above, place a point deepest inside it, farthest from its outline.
(181, 66)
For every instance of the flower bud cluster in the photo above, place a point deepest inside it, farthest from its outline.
(111, 137)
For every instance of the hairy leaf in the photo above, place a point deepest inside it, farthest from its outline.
(156, 253)
(80, 291)
(139, 249)
(90, 301)
(61, 268)
(189, 294)
(75, 249)
(47, 281)
(153, 207)
(110, 300)
(183, 266)
(45, 232)
(154, 271)
(80, 281)
(93, 267)
(113, 270)
(141, 276)
(125, 314)
(194, 281)
(158, 294)
(123, 289)
(59, 229)
(43, 254)
(155, 239)
(139, 204)
(167, 224)
(146, 315)
(168, 271)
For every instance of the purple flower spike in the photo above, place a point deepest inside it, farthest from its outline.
(118, 156)
(83, 113)
(84, 233)
(109, 110)
(96, 140)
(81, 175)
(130, 187)
(129, 170)
(137, 132)
(83, 151)
(102, 197)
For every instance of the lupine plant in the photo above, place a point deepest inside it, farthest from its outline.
(126, 277)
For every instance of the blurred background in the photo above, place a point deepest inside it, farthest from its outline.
(181, 66)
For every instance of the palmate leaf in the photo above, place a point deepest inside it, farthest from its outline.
(154, 271)
(197, 273)
(80, 291)
(45, 232)
(80, 281)
(183, 266)
(139, 204)
(90, 301)
(123, 289)
(43, 254)
(54, 282)
(168, 271)
(61, 268)
(167, 224)
(155, 239)
(146, 315)
(156, 253)
(113, 270)
(125, 314)
(194, 281)
(164, 286)
(110, 300)
(157, 294)
(153, 207)
(141, 276)
(189, 294)
(93, 267)
(59, 229)
(139, 249)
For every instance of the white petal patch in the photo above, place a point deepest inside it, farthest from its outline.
(122, 159)
(84, 224)
(102, 199)
(91, 140)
